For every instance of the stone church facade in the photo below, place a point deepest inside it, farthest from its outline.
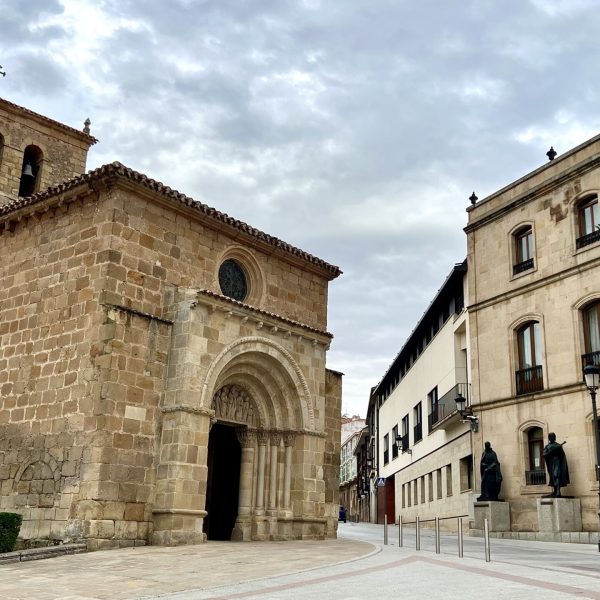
(162, 365)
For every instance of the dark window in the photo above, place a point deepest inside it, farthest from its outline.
(386, 449)
(418, 419)
(591, 331)
(589, 221)
(529, 376)
(536, 475)
(434, 413)
(405, 441)
(523, 250)
(232, 280)
(394, 442)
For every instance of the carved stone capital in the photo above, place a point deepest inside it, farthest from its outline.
(246, 437)
(275, 437)
(262, 436)
(288, 438)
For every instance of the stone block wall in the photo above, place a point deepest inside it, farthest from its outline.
(64, 150)
(331, 459)
(49, 325)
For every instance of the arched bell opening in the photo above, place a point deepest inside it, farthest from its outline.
(31, 171)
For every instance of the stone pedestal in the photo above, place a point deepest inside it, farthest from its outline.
(559, 514)
(497, 513)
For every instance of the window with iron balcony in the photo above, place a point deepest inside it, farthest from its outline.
(591, 334)
(529, 375)
(523, 250)
(588, 217)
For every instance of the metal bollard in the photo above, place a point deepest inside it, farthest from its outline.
(437, 535)
(486, 535)
(400, 540)
(417, 534)
(385, 531)
(460, 538)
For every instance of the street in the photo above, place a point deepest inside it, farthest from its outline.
(356, 566)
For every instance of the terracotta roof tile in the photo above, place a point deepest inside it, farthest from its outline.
(116, 170)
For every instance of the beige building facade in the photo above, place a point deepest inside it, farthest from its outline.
(424, 449)
(162, 365)
(534, 298)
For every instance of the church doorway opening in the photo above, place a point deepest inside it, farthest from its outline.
(223, 483)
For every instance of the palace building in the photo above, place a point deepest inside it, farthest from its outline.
(162, 365)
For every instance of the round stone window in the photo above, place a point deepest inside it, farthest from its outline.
(232, 280)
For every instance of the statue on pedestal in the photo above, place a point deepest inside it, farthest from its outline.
(556, 463)
(491, 476)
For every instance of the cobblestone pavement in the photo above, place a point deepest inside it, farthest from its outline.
(356, 566)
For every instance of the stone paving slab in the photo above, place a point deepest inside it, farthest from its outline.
(156, 571)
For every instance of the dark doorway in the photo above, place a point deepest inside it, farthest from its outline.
(223, 483)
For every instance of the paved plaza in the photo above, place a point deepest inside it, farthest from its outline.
(357, 565)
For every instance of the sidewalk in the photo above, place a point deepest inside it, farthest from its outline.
(152, 571)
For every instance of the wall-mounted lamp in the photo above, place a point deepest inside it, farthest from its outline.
(399, 444)
(466, 412)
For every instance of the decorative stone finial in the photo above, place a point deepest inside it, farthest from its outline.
(551, 154)
(473, 198)
(86, 126)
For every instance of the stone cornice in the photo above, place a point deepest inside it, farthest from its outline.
(114, 174)
(542, 189)
(29, 114)
(262, 318)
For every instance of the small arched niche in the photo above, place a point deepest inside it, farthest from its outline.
(31, 171)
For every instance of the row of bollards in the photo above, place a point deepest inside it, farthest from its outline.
(486, 535)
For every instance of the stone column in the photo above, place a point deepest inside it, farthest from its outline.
(275, 442)
(181, 473)
(260, 472)
(247, 438)
(288, 440)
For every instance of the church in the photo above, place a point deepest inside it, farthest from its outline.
(163, 370)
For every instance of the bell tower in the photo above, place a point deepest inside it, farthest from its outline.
(37, 152)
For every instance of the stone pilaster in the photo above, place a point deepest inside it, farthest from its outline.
(182, 470)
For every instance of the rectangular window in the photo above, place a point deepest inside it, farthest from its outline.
(430, 482)
(403, 495)
(439, 483)
(448, 480)
(415, 492)
(386, 449)
(394, 442)
(466, 473)
(408, 494)
(405, 440)
(434, 412)
(418, 419)
(423, 489)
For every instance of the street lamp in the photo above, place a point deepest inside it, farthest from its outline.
(591, 375)
(466, 412)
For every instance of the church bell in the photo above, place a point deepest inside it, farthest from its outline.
(27, 171)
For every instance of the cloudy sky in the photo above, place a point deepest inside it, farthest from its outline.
(354, 129)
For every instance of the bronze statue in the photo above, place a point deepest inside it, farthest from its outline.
(491, 476)
(556, 463)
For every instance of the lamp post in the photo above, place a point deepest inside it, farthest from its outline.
(591, 374)
(466, 412)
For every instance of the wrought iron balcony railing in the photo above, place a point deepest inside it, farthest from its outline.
(586, 240)
(535, 477)
(446, 405)
(404, 443)
(523, 266)
(591, 358)
(529, 380)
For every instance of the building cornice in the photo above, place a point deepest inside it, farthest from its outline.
(262, 318)
(116, 174)
(43, 120)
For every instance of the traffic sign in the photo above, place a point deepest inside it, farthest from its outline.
(380, 481)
